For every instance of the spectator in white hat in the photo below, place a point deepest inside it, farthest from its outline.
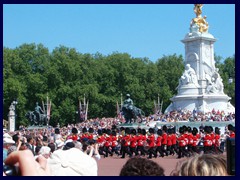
(72, 162)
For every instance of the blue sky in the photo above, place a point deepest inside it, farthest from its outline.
(142, 30)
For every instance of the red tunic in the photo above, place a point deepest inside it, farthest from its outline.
(151, 140)
(108, 141)
(195, 140)
(114, 141)
(181, 140)
(174, 139)
(190, 139)
(133, 141)
(101, 140)
(207, 140)
(164, 139)
(232, 134)
(217, 140)
(126, 140)
(159, 141)
(169, 140)
(140, 140)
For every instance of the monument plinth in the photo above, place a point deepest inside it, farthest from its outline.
(200, 87)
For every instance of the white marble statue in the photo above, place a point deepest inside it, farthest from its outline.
(215, 84)
(189, 76)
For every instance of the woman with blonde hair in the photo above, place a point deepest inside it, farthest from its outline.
(202, 165)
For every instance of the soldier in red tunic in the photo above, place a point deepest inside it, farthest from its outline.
(84, 134)
(115, 143)
(151, 144)
(159, 143)
(108, 142)
(140, 144)
(126, 143)
(190, 140)
(169, 142)
(231, 129)
(217, 149)
(90, 133)
(207, 140)
(74, 135)
(196, 139)
(101, 141)
(182, 144)
(133, 142)
(164, 140)
(174, 141)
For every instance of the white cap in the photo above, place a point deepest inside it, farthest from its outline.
(59, 143)
(6, 135)
(72, 162)
(8, 141)
(45, 150)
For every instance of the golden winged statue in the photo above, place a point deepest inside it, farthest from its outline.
(199, 20)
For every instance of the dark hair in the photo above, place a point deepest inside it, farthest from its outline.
(37, 149)
(15, 137)
(69, 145)
(141, 167)
(45, 138)
(52, 147)
(29, 138)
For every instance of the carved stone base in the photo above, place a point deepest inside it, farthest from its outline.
(203, 103)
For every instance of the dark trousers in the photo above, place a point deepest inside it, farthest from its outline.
(182, 152)
(142, 150)
(159, 149)
(151, 152)
(125, 149)
(107, 150)
(164, 149)
(115, 150)
(134, 150)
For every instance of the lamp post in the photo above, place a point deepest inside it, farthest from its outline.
(12, 116)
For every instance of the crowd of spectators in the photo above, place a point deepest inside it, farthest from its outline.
(55, 147)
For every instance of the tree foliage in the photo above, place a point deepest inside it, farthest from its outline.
(31, 73)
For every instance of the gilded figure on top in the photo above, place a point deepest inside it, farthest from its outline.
(199, 20)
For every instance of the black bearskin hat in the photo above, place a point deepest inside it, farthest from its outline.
(114, 127)
(139, 130)
(114, 133)
(195, 129)
(159, 132)
(108, 132)
(189, 129)
(164, 128)
(104, 131)
(144, 132)
(127, 131)
(74, 130)
(207, 129)
(84, 130)
(99, 131)
(90, 130)
(217, 130)
(151, 130)
(230, 127)
(133, 131)
(181, 130)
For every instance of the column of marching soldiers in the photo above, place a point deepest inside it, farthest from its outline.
(156, 143)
